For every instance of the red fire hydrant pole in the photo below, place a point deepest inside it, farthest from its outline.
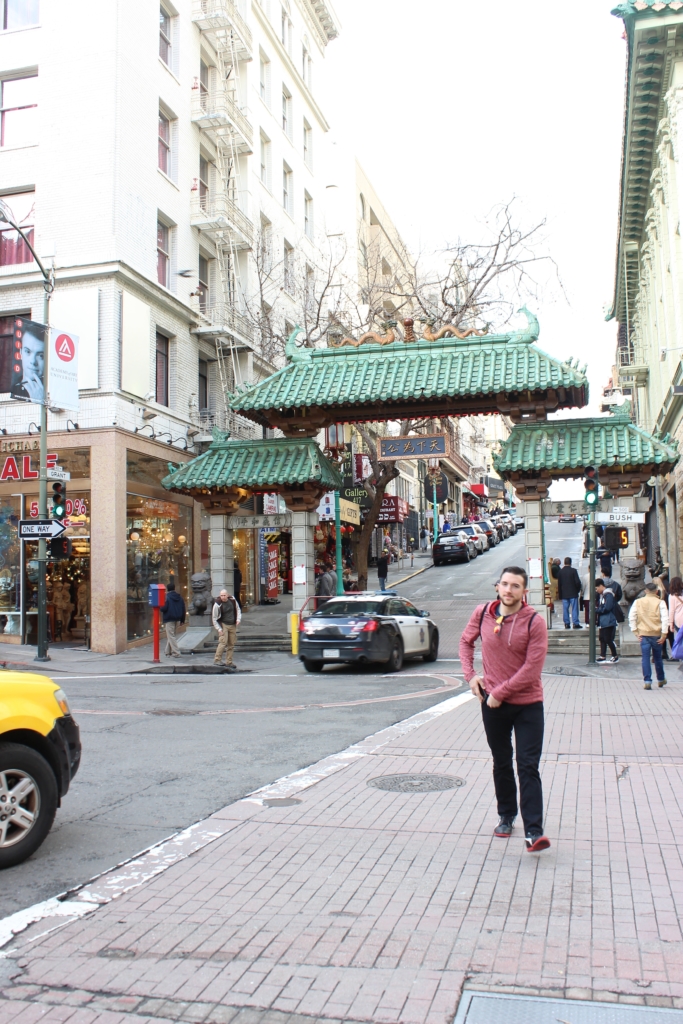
(156, 658)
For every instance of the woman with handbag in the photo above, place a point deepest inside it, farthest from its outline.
(675, 608)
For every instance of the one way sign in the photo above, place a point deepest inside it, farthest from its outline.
(34, 529)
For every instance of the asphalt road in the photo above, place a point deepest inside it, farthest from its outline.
(159, 754)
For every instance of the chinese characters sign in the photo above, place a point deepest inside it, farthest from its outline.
(420, 446)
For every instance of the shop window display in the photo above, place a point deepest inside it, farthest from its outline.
(10, 567)
(158, 547)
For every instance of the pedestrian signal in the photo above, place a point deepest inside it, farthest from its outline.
(60, 549)
(615, 537)
(590, 483)
(58, 510)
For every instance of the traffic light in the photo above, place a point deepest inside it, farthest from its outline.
(590, 482)
(615, 537)
(60, 549)
(58, 509)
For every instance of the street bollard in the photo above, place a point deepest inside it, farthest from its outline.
(294, 630)
(157, 599)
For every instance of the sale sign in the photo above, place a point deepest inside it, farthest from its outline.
(272, 569)
(62, 370)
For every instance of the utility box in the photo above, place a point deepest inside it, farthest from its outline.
(157, 595)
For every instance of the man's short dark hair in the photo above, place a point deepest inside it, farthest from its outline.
(652, 588)
(171, 585)
(515, 570)
(567, 561)
(600, 583)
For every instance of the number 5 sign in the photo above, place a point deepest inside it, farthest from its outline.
(62, 384)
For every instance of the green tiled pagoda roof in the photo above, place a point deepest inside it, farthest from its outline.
(603, 441)
(465, 375)
(256, 465)
(622, 10)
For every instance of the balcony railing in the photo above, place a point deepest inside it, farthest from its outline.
(221, 317)
(217, 113)
(216, 213)
(218, 17)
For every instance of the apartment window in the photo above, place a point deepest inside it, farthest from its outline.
(308, 144)
(286, 111)
(204, 180)
(266, 245)
(286, 31)
(164, 143)
(288, 268)
(163, 254)
(18, 104)
(203, 385)
(306, 65)
(19, 13)
(265, 161)
(162, 369)
(287, 188)
(203, 286)
(308, 215)
(13, 248)
(309, 285)
(204, 80)
(264, 78)
(363, 255)
(165, 35)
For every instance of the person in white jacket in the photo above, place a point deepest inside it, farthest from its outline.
(226, 616)
(649, 620)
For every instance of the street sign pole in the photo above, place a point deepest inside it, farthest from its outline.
(41, 654)
(591, 570)
(337, 543)
(436, 520)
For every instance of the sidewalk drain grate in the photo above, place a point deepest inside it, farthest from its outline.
(489, 1008)
(416, 783)
(281, 801)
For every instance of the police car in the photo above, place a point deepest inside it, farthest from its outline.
(374, 627)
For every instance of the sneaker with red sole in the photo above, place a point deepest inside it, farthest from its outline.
(536, 841)
(504, 828)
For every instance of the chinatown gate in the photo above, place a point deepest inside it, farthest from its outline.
(393, 377)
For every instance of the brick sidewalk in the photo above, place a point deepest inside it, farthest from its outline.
(363, 905)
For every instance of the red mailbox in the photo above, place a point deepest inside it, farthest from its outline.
(157, 599)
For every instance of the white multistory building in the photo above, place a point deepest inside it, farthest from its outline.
(146, 149)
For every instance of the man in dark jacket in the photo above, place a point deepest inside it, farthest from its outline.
(606, 620)
(568, 589)
(383, 569)
(173, 613)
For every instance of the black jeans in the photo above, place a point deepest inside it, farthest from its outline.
(527, 722)
(606, 634)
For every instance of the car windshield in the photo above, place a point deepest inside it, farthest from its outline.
(470, 531)
(448, 536)
(344, 609)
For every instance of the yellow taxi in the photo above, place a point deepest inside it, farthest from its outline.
(40, 751)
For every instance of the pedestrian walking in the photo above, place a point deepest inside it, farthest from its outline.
(514, 643)
(327, 585)
(675, 607)
(613, 585)
(173, 614)
(605, 558)
(649, 620)
(568, 589)
(383, 569)
(423, 539)
(226, 617)
(606, 621)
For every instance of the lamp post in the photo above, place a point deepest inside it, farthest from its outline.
(434, 471)
(48, 284)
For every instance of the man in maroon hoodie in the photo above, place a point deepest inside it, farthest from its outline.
(514, 643)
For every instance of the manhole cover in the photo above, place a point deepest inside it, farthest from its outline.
(281, 801)
(416, 783)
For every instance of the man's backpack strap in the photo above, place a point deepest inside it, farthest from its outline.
(483, 613)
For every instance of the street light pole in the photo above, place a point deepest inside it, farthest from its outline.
(591, 570)
(338, 543)
(48, 284)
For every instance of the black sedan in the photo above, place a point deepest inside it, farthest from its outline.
(455, 546)
(371, 627)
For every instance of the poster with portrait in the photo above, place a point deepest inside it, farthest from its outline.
(22, 362)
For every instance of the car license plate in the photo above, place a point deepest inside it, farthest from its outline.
(327, 653)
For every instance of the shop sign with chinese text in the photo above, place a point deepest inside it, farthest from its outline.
(282, 521)
(421, 446)
(393, 510)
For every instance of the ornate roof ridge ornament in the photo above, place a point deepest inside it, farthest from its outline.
(631, 7)
(532, 332)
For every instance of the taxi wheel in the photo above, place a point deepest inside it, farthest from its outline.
(313, 666)
(395, 662)
(433, 653)
(28, 802)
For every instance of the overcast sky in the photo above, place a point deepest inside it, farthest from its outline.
(455, 106)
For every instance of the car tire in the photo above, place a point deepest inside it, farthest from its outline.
(22, 764)
(395, 660)
(433, 652)
(313, 665)
(437, 563)
(467, 556)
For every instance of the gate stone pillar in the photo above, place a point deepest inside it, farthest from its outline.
(221, 554)
(303, 554)
(533, 545)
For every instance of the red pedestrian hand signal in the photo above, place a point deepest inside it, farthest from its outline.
(65, 348)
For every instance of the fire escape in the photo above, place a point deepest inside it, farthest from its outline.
(218, 207)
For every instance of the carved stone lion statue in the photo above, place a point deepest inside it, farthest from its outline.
(632, 579)
(200, 582)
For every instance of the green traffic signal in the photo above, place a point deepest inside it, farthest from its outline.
(590, 483)
(591, 497)
(58, 510)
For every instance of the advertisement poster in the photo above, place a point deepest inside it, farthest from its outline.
(62, 374)
(22, 362)
(272, 562)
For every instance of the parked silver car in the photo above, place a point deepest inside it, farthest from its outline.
(478, 536)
